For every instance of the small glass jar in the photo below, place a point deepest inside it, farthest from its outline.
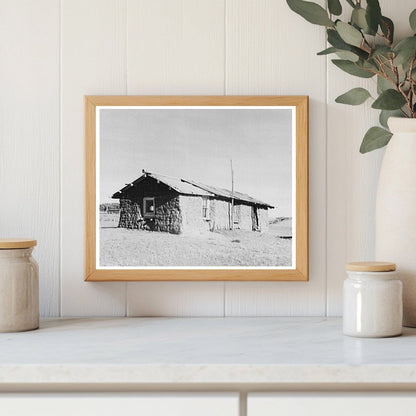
(19, 286)
(372, 300)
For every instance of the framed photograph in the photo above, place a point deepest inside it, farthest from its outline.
(196, 188)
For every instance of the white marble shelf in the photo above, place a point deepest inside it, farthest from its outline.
(203, 351)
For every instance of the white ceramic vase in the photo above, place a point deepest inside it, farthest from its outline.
(396, 210)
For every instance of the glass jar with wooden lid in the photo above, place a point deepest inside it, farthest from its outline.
(19, 286)
(372, 300)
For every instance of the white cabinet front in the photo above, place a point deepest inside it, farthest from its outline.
(331, 404)
(122, 404)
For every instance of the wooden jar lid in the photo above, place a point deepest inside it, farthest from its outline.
(371, 266)
(11, 243)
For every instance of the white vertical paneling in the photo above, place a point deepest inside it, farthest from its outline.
(29, 134)
(175, 299)
(175, 47)
(352, 178)
(352, 183)
(272, 51)
(93, 62)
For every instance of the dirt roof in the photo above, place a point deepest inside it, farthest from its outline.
(188, 187)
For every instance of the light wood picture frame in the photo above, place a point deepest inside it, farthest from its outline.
(257, 144)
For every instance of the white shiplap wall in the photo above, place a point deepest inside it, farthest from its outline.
(176, 47)
(258, 53)
(55, 52)
(30, 134)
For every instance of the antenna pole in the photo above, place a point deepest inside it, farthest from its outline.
(232, 195)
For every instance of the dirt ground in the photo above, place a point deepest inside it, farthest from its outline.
(237, 248)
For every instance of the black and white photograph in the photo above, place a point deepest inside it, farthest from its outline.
(195, 187)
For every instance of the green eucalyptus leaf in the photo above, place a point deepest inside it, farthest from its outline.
(351, 3)
(381, 50)
(373, 65)
(405, 44)
(336, 41)
(373, 15)
(405, 50)
(386, 84)
(311, 12)
(387, 27)
(352, 68)
(334, 7)
(360, 52)
(412, 20)
(386, 114)
(347, 55)
(389, 100)
(383, 84)
(350, 56)
(358, 18)
(327, 51)
(349, 34)
(375, 138)
(356, 96)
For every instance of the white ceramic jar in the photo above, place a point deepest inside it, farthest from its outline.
(19, 286)
(372, 300)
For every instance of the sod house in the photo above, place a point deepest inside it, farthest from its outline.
(162, 203)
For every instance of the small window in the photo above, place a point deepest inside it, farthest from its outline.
(205, 208)
(148, 207)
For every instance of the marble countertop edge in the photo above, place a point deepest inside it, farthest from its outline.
(206, 374)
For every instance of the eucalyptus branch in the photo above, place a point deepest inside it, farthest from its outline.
(406, 97)
(413, 89)
(386, 60)
(372, 71)
(385, 75)
(395, 71)
(365, 43)
(412, 85)
(380, 64)
(369, 46)
(387, 38)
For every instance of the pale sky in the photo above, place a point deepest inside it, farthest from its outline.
(197, 144)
